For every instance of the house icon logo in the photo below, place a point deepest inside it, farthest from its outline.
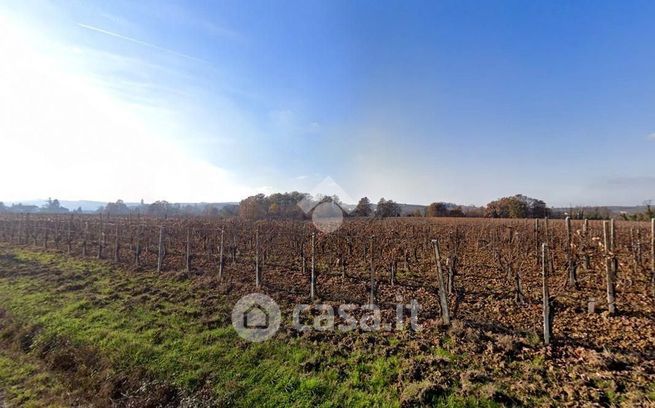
(326, 211)
(256, 317)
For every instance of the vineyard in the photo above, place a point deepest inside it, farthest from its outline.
(372, 260)
(575, 291)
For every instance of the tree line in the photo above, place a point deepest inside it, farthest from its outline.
(296, 205)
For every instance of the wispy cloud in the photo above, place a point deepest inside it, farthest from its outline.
(143, 43)
(180, 15)
(651, 137)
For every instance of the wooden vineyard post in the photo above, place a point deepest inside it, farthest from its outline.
(545, 293)
(551, 260)
(20, 224)
(312, 279)
(257, 277)
(639, 249)
(303, 262)
(116, 244)
(137, 247)
(84, 238)
(187, 257)
(572, 280)
(615, 261)
(372, 296)
(612, 235)
(26, 230)
(536, 240)
(443, 299)
(585, 237)
(68, 236)
(101, 240)
(45, 237)
(220, 257)
(35, 230)
(609, 268)
(635, 246)
(160, 249)
(652, 254)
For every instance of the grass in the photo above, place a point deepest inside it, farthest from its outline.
(144, 321)
(156, 325)
(445, 354)
(25, 384)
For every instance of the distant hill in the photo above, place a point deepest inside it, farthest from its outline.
(613, 209)
(86, 205)
(406, 209)
(92, 206)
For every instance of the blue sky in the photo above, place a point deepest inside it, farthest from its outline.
(461, 101)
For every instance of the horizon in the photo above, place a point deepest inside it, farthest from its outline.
(455, 102)
(236, 202)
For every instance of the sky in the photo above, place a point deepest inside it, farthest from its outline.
(416, 101)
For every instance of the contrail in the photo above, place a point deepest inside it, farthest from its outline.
(143, 43)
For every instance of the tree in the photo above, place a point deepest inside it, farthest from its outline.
(274, 210)
(228, 211)
(363, 208)
(20, 208)
(162, 208)
(475, 212)
(456, 212)
(117, 208)
(2, 207)
(436, 210)
(254, 207)
(539, 209)
(518, 206)
(387, 208)
(278, 205)
(649, 214)
(53, 206)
